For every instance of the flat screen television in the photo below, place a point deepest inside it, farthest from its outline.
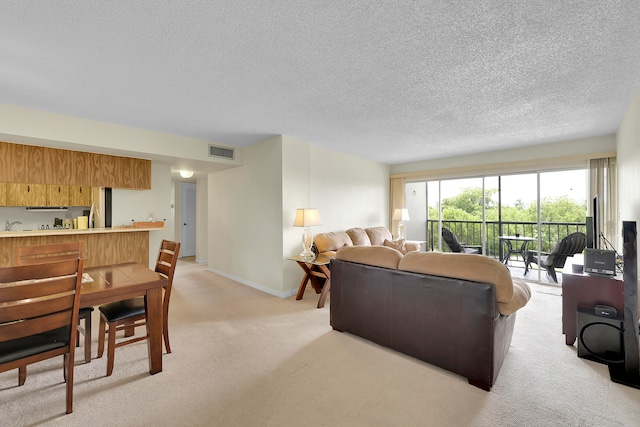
(595, 214)
(589, 232)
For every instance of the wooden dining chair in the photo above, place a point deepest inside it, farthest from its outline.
(37, 254)
(38, 316)
(129, 314)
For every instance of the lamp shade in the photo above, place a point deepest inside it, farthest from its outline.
(400, 215)
(307, 217)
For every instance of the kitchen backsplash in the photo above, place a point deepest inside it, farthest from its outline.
(35, 220)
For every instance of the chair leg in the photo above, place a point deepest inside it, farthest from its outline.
(68, 369)
(165, 331)
(111, 347)
(87, 338)
(101, 337)
(552, 273)
(22, 375)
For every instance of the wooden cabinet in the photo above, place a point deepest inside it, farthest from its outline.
(59, 166)
(27, 163)
(42, 165)
(58, 195)
(3, 194)
(80, 195)
(19, 194)
(133, 173)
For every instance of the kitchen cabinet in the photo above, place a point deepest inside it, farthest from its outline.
(3, 194)
(23, 163)
(58, 195)
(43, 165)
(59, 166)
(19, 194)
(80, 195)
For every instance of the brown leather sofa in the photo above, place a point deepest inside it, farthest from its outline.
(455, 311)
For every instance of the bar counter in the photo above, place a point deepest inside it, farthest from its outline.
(102, 246)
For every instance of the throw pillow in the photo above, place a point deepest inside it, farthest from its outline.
(396, 244)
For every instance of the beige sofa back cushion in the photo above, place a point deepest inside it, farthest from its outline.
(377, 235)
(359, 237)
(379, 256)
(332, 241)
(478, 268)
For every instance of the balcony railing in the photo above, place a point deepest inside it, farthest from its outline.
(470, 233)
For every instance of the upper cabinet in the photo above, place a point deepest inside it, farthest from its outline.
(42, 165)
(3, 194)
(20, 194)
(22, 163)
(80, 196)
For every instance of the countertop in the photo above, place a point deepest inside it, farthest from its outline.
(58, 231)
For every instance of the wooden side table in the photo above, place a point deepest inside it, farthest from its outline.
(312, 270)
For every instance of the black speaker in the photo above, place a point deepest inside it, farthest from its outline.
(599, 338)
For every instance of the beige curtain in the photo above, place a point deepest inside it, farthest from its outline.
(604, 183)
(396, 201)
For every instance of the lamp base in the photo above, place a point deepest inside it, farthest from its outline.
(307, 255)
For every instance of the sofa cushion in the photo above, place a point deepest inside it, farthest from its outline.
(396, 244)
(359, 237)
(379, 256)
(411, 246)
(332, 241)
(377, 235)
(478, 268)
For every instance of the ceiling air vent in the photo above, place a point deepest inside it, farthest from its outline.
(226, 153)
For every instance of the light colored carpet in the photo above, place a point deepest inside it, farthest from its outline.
(244, 358)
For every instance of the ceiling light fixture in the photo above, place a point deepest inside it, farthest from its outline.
(186, 173)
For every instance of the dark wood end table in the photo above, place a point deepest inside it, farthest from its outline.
(318, 268)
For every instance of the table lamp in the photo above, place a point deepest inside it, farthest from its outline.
(400, 215)
(307, 218)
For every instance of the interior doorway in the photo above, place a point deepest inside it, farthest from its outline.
(188, 218)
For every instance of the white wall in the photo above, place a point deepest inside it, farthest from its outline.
(136, 205)
(29, 126)
(252, 208)
(202, 205)
(628, 161)
(245, 219)
(566, 149)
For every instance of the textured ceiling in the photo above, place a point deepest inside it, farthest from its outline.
(393, 81)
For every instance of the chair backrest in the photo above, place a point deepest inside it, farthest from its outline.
(166, 264)
(572, 244)
(37, 254)
(38, 311)
(451, 240)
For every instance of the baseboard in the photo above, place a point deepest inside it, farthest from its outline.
(255, 285)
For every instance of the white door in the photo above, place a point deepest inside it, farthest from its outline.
(188, 215)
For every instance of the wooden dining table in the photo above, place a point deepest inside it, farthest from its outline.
(129, 280)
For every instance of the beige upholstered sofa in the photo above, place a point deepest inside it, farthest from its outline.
(329, 243)
(456, 311)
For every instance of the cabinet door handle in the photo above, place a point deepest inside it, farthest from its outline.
(28, 188)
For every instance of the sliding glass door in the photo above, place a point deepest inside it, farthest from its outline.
(508, 216)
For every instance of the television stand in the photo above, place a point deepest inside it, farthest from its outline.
(584, 290)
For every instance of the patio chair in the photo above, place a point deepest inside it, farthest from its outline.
(456, 246)
(572, 244)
